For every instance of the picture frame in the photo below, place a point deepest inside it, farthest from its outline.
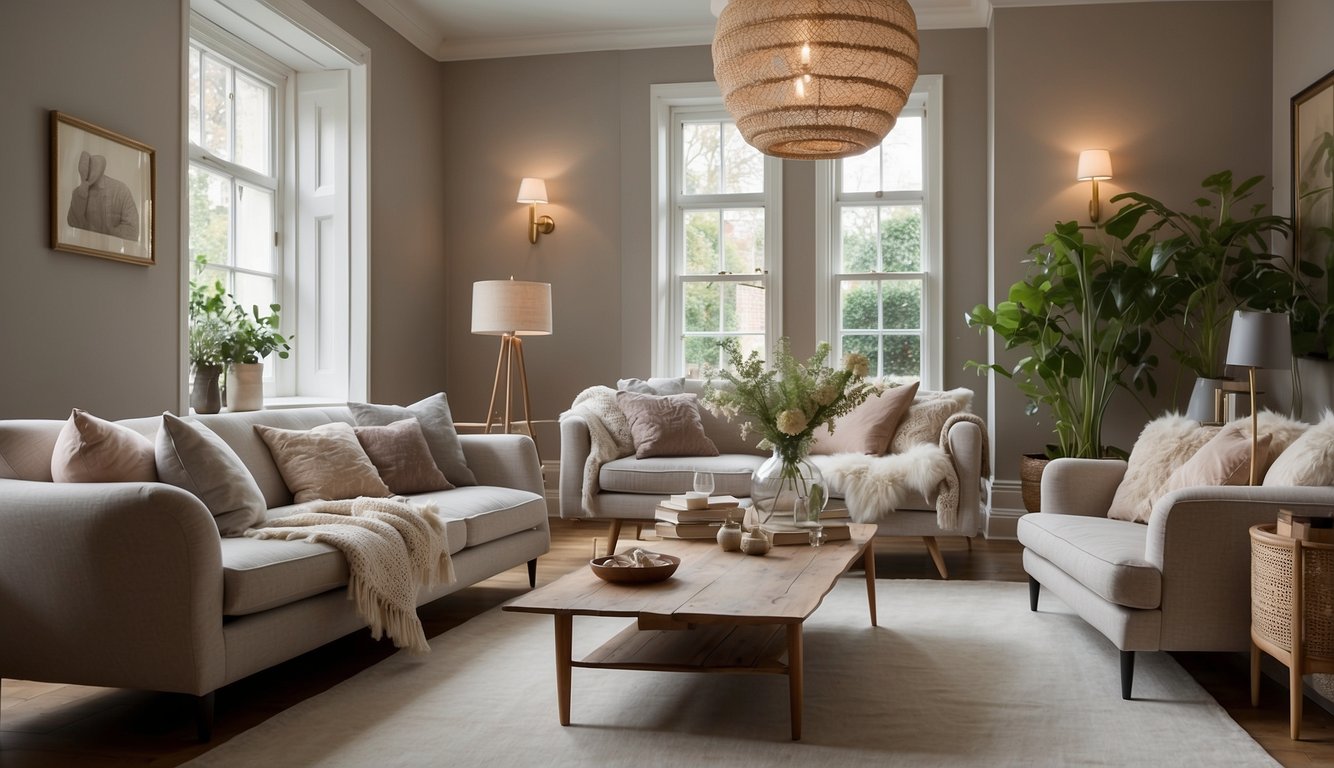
(103, 192)
(1312, 119)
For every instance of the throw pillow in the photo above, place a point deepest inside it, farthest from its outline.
(1309, 460)
(1224, 460)
(326, 462)
(1281, 430)
(870, 427)
(653, 386)
(191, 456)
(1163, 445)
(927, 416)
(437, 425)
(401, 455)
(93, 450)
(665, 425)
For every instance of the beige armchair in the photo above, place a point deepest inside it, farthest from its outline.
(1180, 583)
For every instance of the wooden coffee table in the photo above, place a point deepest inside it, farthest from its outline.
(720, 612)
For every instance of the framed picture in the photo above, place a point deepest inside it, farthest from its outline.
(103, 187)
(1313, 172)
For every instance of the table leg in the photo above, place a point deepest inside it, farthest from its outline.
(868, 564)
(564, 632)
(795, 677)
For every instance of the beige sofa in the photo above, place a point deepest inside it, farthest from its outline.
(130, 585)
(630, 488)
(1180, 583)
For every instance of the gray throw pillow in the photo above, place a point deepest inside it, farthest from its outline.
(437, 426)
(653, 386)
(665, 425)
(192, 457)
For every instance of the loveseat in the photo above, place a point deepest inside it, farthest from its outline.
(131, 584)
(629, 488)
(1181, 580)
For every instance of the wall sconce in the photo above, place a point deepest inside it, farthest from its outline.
(534, 191)
(1094, 165)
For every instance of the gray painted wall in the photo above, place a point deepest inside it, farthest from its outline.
(1163, 87)
(77, 330)
(1302, 33)
(581, 121)
(105, 336)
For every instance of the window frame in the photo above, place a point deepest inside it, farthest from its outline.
(672, 105)
(927, 100)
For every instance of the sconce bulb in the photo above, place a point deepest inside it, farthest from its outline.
(800, 85)
(805, 54)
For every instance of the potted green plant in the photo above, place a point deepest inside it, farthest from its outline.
(209, 332)
(1082, 318)
(1215, 257)
(253, 337)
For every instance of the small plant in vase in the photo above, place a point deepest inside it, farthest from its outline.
(253, 338)
(209, 331)
(784, 403)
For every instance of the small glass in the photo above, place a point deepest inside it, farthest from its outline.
(704, 483)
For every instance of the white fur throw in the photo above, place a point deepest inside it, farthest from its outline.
(1309, 460)
(608, 432)
(875, 486)
(391, 548)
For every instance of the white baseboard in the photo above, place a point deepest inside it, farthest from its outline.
(551, 485)
(1007, 506)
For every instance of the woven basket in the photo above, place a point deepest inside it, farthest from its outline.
(1031, 466)
(1280, 566)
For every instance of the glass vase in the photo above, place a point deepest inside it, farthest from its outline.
(776, 485)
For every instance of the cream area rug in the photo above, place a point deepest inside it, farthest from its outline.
(958, 674)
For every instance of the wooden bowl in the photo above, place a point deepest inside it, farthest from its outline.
(627, 575)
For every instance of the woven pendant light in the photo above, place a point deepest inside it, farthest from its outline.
(815, 79)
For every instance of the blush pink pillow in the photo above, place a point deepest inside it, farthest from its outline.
(93, 450)
(870, 427)
(1224, 460)
(665, 425)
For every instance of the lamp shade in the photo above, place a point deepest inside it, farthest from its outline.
(1094, 164)
(532, 191)
(815, 79)
(516, 307)
(1260, 340)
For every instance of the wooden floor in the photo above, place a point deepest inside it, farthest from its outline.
(66, 725)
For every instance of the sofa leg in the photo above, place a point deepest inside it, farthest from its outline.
(613, 533)
(1033, 589)
(532, 572)
(1127, 673)
(934, 550)
(204, 716)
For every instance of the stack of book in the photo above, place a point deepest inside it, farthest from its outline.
(782, 534)
(676, 520)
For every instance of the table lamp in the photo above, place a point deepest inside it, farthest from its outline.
(510, 309)
(1259, 340)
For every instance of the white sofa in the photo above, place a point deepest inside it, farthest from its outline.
(1180, 583)
(630, 488)
(130, 584)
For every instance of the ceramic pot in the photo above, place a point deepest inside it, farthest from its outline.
(729, 536)
(754, 542)
(204, 393)
(1201, 406)
(245, 387)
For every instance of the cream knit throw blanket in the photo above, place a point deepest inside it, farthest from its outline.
(875, 486)
(608, 432)
(391, 548)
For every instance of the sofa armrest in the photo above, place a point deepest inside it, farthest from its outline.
(110, 584)
(575, 446)
(965, 441)
(507, 461)
(1198, 537)
(1081, 486)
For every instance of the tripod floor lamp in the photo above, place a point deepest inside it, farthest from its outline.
(510, 309)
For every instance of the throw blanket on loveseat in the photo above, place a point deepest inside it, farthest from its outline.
(391, 548)
(608, 433)
(874, 486)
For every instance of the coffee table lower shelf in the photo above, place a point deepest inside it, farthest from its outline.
(755, 649)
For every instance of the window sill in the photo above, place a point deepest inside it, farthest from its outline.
(279, 403)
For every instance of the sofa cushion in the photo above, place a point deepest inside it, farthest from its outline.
(869, 427)
(238, 431)
(665, 425)
(488, 512)
(1164, 444)
(1309, 460)
(437, 426)
(725, 434)
(1224, 460)
(402, 457)
(26, 446)
(653, 386)
(675, 474)
(326, 462)
(93, 450)
(191, 456)
(1107, 556)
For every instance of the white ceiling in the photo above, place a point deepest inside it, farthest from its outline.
(451, 30)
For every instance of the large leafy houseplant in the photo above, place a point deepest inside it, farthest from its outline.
(1216, 257)
(1081, 316)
